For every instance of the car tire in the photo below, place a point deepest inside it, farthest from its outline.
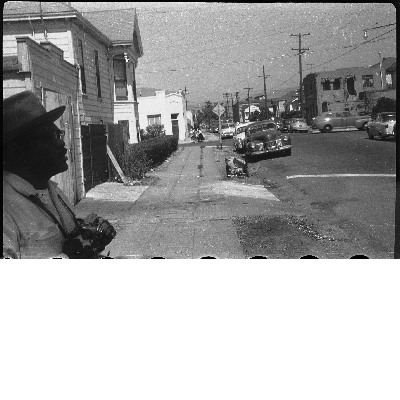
(371, 137)
(327, 128)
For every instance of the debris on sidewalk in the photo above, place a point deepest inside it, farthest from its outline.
(236, 166)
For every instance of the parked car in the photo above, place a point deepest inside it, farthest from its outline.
(214, 129)
(263, 137)
(384, 126)
(228, 130)
(240, 134)
(335, 121)
(361, 122)
(298, 125)
(285, 125)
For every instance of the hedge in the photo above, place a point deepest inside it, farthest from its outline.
(140, 158)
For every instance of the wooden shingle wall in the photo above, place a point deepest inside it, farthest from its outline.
(94, 110)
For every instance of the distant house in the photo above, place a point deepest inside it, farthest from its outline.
(75, 63)
(163, 107)
(343, 89)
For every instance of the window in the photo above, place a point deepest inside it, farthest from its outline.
(134, 83)
(326, 84)
(81, 65)
(121, 90)
(336, 84)
(154, 119)
(96, 63)
(350, 85)
(324, 106)
(368, 80)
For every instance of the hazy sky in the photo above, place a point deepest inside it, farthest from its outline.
(214, 48)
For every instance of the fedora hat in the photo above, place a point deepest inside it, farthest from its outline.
(24, 111)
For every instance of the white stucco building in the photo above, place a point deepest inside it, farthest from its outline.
(163, 107)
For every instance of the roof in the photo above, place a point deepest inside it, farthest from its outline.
(27, 8)
(147, 91)
(392, 68)
(118, 25)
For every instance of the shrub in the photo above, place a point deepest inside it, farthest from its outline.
(383, 104)
(152, 131)
(140, 158)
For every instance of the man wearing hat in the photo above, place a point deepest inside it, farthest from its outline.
(38, 220)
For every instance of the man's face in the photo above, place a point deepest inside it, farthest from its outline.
(43, 151)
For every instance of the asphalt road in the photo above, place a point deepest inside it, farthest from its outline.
(349, 179)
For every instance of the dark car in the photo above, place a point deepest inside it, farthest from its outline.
(285, 125)
(263, 137)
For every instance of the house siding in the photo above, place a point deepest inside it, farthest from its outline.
(44, 69)
(93, 109)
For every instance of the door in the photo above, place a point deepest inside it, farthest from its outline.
(66, 180)
(175, 124)
(338, 120)
(350, 119)
(94, 155)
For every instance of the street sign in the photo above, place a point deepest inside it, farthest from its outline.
(220, 109)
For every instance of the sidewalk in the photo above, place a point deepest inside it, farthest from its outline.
(186, 213)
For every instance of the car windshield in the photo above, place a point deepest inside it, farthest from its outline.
(388, 117)
(299, 120)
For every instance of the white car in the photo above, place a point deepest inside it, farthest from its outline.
(228, 130)
(382, 126)
(240, 134)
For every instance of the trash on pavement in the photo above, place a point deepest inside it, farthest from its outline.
(235, 166)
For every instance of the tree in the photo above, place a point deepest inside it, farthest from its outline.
(255, 116)
(206, 115)
(383, 104)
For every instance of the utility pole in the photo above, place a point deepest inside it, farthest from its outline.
(248, 99)
(185, 97)
(265, 90)
(233, 117)
(226, 95)
(301, 51)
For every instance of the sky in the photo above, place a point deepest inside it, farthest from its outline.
(216, 48)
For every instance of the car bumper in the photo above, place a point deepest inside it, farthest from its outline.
(300, 129)
(274, 149)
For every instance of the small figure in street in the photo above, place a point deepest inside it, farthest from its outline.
(38, 220)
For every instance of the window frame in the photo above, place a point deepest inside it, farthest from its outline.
(97, 69)
(123, 82)
(156, 117)
(81, 63)
(368, 80)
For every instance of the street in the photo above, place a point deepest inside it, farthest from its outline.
(344, 178)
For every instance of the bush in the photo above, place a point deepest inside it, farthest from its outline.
(152, 131)
(140, 158)
(382, 105)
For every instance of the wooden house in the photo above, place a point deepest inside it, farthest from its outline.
(97, 73)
